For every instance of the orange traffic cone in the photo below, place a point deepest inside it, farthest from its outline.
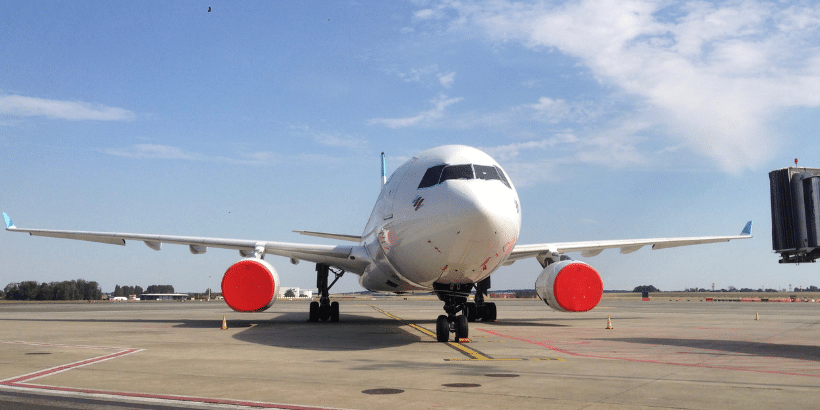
(609, 323)
(224, 323)
(757, 316)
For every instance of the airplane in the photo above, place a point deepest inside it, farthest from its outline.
(443, 223)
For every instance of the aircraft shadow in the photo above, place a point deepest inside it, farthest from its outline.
(290, 330)
(741, 348)
(352, 332)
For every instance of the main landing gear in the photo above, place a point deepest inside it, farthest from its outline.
(480, 310)
(323, 309)
(454, 297)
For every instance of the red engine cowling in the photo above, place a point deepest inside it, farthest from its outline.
(250, 285)
(570, 286)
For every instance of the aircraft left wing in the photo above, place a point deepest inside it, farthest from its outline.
(334, 255)
(593, 248)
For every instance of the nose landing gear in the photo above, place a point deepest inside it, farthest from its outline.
(454, 297)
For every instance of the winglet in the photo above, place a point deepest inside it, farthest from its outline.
(9, 223)
(747, 230)
(384, 171)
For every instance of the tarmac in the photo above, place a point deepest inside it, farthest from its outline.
(662, 354)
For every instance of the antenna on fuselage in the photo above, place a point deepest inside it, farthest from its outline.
(384, 172)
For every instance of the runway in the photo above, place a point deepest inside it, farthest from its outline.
(660, 355)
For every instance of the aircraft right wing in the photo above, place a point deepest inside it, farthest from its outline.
(342, 256)
(593, 248)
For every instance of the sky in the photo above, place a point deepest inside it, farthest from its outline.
(615, 119)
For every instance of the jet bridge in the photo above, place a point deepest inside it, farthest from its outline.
(795, 201)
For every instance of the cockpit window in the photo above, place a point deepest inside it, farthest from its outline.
(503, 177)
(457, 172)
(431, 177)
(485, 172)
(440, 173)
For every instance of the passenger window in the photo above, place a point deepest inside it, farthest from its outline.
(457, 172)
(431, 177)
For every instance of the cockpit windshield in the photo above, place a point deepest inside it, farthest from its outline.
(440, 173)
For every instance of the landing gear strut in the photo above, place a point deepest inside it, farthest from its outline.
(324, 309)
(486, 311)
(454, 297)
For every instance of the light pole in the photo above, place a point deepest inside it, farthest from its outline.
(209, 288)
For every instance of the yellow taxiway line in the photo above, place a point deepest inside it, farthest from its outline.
(472, 354)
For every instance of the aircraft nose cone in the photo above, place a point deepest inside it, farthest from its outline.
(487, 221)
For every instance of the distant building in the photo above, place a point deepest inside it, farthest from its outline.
(296, 292)
(164, 296)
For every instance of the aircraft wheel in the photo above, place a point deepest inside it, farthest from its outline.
(442, 329)
(492, 313)
(334, 312)
(470, 311)
(462, 328)
(324, 312)
(314, 312)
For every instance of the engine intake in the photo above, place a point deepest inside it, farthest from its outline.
(250, 285)
(570, 286)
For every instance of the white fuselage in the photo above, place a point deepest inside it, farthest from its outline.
(449, 215)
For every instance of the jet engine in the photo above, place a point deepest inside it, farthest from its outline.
(570, 286)
(250, 285)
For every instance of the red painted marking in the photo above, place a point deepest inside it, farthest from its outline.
(578, 287)
(391, 237)
(59, 369)
(248, 286)
(18, 381)
(592, 356)
(175, 398)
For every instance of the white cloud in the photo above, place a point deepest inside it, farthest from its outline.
(335, 140)
(424, 14)
(446, 80)
(547, 160)
(427, 75)
(167, 152)
(714, 75)
(512, 151)
(441, 103)
(19, 105)
(328, 139)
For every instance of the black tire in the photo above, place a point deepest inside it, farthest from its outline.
(334, 312)
(442, 329)
(462, 328)
(324, 312)
(492, 313)
(470, 311)
(314, 312)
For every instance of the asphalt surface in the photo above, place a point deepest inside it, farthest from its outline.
(663, 354)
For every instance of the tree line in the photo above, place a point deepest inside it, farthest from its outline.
(66, 290)
(137, 290)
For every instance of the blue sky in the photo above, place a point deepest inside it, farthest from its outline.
(615, 119)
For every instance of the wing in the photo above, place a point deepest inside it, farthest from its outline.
(340, 237)
(593, 248)
(342, 256)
